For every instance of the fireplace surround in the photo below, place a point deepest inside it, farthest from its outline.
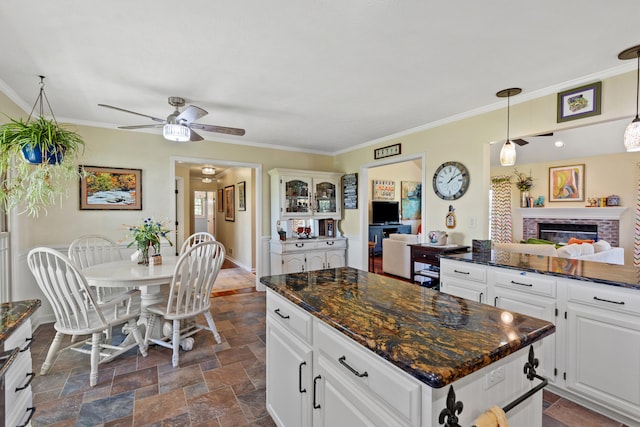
(607, 229)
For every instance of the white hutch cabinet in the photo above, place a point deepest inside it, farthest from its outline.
(305, 210)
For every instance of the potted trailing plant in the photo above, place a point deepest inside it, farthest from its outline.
(36, 156)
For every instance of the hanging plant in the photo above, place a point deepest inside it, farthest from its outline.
(36, 157)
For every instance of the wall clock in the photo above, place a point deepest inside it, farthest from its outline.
(451, 180)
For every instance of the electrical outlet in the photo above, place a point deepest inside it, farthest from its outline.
(494, 377)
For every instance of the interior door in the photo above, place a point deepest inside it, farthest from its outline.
(200, 211)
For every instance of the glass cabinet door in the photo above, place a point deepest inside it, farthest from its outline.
(296, 196)
(325, 197)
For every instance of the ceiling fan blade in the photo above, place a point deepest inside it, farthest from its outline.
(195, 136)
(191, 114)
(132, 112)
(520, 142)
(219, 129)
(140, 126)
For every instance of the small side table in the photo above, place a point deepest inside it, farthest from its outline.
(372, 254)
(430, 254)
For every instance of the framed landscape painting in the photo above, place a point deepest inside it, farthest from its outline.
(104, 188)
(566, 183)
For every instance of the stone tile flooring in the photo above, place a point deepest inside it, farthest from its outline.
(216, 385)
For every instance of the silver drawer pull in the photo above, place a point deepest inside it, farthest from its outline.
(353, 371)
(521, 284)
(461, 272)
(277, 311)
(609, 301)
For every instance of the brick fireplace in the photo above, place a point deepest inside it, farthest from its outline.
(607, 221)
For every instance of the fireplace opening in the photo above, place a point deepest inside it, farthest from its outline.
(561, 233)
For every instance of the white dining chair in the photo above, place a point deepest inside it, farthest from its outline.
(78, 312)
(189, 296)
(92, 249)
(195, 238)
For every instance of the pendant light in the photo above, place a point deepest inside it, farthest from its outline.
(632, 132)
(508, 152)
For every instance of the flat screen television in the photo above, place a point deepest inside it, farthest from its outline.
(385, 212)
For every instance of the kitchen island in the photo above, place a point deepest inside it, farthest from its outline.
(348, 347)
(593, 357)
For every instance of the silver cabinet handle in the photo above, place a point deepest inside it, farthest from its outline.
(343, 362)
(315, 383)
(300, 389)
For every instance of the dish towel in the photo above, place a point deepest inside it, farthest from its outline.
(493, 417)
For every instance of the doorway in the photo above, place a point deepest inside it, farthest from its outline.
(243, 236)
(364, 198)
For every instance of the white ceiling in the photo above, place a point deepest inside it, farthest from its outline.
(313, 75)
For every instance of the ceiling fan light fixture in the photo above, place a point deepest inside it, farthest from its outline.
(508, 151)
(176, 132)
(508, 154)
(208, 170)
(632, 132)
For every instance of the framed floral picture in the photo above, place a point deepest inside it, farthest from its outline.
(566, 183)
(242, 198)
(229, 203)
(220, 200)
(105, 188)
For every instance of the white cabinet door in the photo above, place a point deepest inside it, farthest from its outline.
(542, 308)
(335, 259)
(603, 357)
(471, 291)
(326, 194)
(316, 261)
(296, 194)
(289, 371)
(293, 263)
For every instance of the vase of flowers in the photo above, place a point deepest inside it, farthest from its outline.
(146, 237)
(524, 184)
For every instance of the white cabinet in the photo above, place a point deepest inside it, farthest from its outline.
(312, 254)
(317, 377)
(463, 280)
(18, 398)
(603, 348)
(304, 194)
(289, 363)
(534, 295)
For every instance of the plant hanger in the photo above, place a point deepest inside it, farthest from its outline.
(42, 97)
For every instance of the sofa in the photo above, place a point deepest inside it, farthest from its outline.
(600, 251)
(396, 254)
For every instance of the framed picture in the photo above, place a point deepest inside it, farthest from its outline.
(242, 199)
(229, 203)
(384, 190)
(104, 188)
(220, 200)
(566, 183)
(581, 102)
(388, 151)
(411, 200)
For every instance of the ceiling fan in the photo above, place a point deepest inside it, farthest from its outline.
(179, 126)
(522, 142)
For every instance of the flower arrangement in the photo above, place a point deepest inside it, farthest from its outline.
(522, 181)
(148, 234)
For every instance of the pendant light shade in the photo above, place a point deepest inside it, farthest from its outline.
(508, 152)
(632, 132)
(176, 132)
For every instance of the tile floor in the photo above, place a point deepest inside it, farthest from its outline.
(216, 385)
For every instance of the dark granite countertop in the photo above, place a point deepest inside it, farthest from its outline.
(12, 314)
(435, 337)
(627, 276)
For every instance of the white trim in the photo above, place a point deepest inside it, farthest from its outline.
(581, 213)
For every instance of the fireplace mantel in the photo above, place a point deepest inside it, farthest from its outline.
(573, 213)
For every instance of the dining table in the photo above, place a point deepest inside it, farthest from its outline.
(149, 279)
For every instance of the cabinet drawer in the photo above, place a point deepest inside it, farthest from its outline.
(367, 371)
(527, 282)
(18, 379)
(291, 317)
(21, 337)
(463, 271)
(604, 296)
